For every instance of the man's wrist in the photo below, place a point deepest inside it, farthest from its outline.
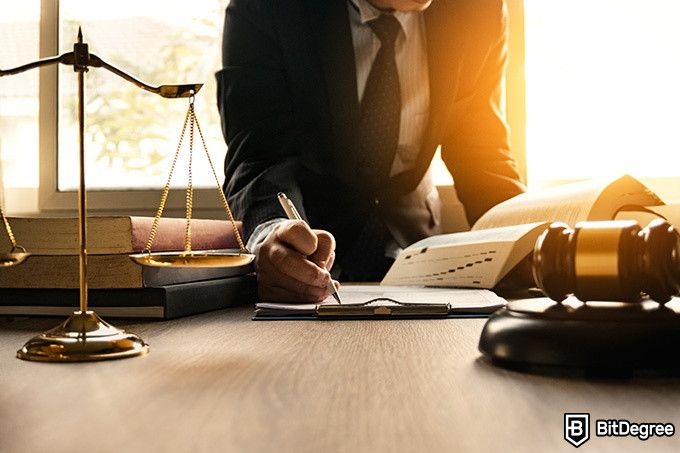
(261, 232)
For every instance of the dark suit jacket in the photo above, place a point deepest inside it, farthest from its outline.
(288, 100)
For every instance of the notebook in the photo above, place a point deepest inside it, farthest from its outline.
(388, 302)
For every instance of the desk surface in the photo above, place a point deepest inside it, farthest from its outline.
(220, 382)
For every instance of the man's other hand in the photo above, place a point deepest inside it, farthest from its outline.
(293, 263)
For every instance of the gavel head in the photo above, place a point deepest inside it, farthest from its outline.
(608, 261)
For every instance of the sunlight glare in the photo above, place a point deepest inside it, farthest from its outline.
(602, 84)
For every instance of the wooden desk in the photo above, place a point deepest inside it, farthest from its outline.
(220, 382)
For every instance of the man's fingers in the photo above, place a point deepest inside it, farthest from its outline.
(275, 285)
(292, 264)
(298, 235)
(296, 266)
(325, 249)
(331, 260)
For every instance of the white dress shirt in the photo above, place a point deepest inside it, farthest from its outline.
(414, 85)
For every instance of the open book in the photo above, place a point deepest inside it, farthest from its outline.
(506, 234)
(373, 301)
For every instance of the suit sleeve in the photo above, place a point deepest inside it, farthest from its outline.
(477, 151)
(269, 149)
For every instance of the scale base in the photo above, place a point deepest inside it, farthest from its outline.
(597, 339)
(83, 337)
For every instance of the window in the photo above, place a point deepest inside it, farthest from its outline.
(602, 91)
(131, 135)
(19, 30)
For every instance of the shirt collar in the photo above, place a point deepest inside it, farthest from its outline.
(368, 12)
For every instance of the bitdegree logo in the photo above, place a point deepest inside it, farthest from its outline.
(625, 428)
(577, 428)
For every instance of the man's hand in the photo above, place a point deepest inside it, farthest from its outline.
(293, 263)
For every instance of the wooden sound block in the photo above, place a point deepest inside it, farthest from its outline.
(599, 338)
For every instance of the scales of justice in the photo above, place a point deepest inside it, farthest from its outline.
(84, 336)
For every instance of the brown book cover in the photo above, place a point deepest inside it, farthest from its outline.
(103, 271)
(116, 234)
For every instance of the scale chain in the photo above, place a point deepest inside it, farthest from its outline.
(166, 189)
(190, 187)
(191, 120)
(225, 203)
(10, 234)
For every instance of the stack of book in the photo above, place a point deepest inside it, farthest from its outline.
(47, 283)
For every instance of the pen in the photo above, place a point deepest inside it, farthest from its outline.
(293, 214)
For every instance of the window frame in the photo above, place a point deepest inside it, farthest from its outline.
(515, 86)
(132, 201)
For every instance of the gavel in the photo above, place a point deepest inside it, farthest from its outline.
(608, 261)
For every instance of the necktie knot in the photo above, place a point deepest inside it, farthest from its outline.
(386, 27)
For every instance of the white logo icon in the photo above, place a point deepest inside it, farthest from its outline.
(576, 428)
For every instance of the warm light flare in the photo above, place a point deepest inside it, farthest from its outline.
(602, 88)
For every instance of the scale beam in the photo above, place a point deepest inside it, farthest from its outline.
(92, 60)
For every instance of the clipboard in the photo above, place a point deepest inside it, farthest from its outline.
(413, 303)
(382, 307)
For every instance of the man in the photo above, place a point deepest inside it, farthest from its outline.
(341, 104)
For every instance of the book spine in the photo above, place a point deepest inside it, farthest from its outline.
(210, 295)
(205, 234)
(104, 271)
(61, 271)
(163, 276)
(174, 300)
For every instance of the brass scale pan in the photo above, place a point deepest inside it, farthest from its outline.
(238, 263)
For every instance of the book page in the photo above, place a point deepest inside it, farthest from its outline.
(59, 235)
(570, 203)
(643, 216)
(669, 212)
(624, 193)
(509, 233)
(471, 259)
